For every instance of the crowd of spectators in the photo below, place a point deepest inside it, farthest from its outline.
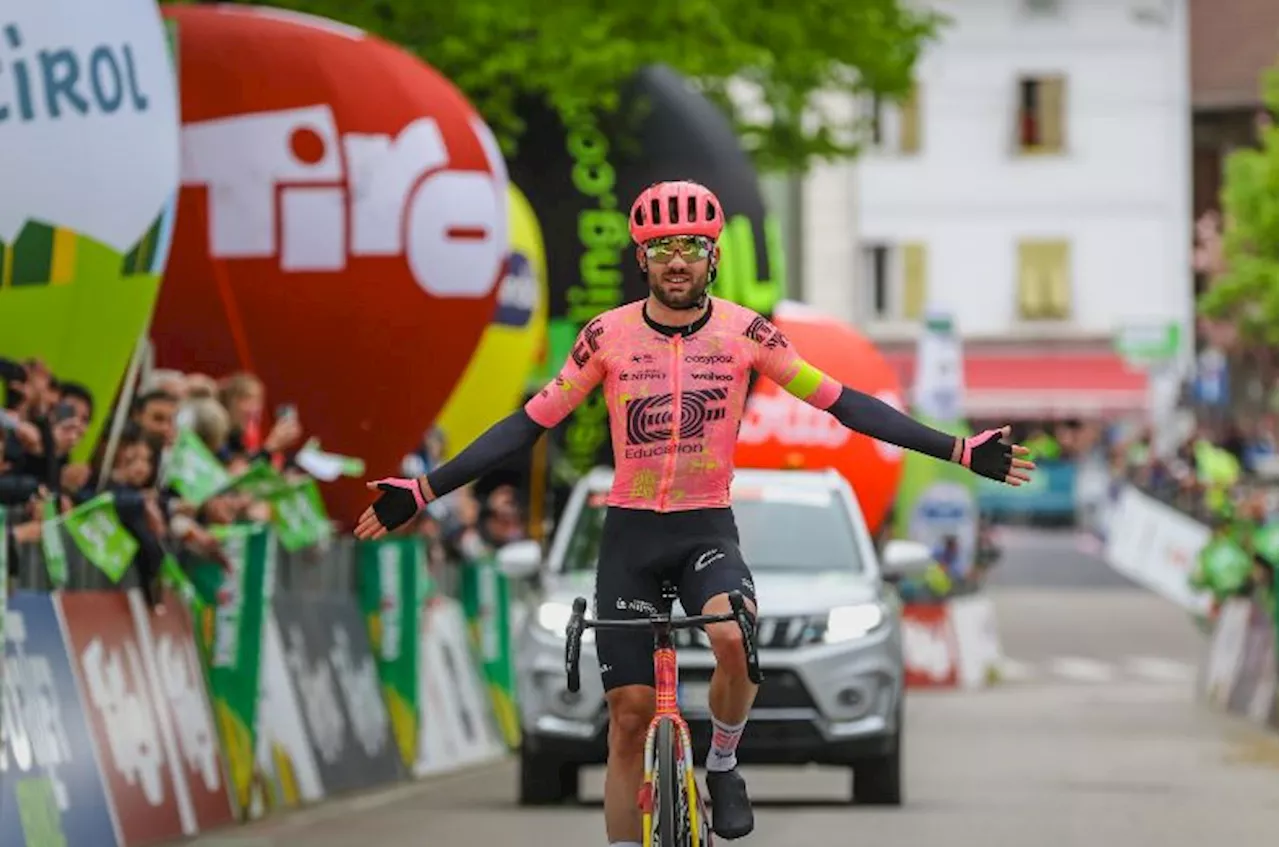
(44, 419)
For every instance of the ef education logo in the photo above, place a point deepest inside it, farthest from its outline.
(649, 419)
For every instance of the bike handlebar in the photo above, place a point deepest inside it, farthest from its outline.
(739, 614)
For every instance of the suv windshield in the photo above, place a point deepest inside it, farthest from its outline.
(780, 530)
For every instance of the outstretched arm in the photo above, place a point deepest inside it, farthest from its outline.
(400, 499)
(985, 454)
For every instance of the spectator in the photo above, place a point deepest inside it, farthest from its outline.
(156, 413)
(210, 422)
(244, 398)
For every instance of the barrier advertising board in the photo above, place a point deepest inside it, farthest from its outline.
(178, 690)
(284, 752)
(141, 780)
(336, 681)
(50, 788)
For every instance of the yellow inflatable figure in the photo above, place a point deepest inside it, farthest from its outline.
(494, 382)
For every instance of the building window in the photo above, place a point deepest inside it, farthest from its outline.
(897, 281)
(896, 128)
(1044, 280)
(1041, 116)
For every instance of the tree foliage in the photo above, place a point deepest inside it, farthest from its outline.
(1247, 285)
(575, 53)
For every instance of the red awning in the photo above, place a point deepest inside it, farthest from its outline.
(1031, 384)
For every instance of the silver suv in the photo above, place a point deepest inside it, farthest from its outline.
(829, 636)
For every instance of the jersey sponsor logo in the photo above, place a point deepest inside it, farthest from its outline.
(642, 358)
(708, 376)
(649, 419)
(763, 332)
(649, 373)
(713, 359)
(588, 342)
(663, 449)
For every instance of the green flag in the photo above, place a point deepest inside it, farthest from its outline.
(1265, 543)
(1224, 566)
(231, 625)
(193, 469)
(299, 516)
(260, 481)
(393, 579)
(55, 552)
(96, 530)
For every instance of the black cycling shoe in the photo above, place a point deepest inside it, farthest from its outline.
(731, 815)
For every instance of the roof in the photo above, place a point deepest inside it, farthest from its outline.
(1232, 42)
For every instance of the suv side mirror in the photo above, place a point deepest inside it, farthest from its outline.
(903, 559)
(520, 559)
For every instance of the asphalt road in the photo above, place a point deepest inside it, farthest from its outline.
(1094, 739)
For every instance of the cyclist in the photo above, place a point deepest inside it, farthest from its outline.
(675, 370)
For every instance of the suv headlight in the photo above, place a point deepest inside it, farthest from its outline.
(554, 617)
(845, 623)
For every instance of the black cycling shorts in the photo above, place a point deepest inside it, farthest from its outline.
(696, 551)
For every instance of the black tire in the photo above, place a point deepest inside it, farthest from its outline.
(877, 780)
(545, 780)
(669, 791)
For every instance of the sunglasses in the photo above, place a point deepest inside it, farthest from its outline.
(693, 248)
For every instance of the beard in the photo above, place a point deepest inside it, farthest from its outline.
(686, 296)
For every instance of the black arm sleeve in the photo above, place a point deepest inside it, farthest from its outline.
(869, 416)
(495, 445)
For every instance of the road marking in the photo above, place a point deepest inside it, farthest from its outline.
(1080, 669)
(1160, 669)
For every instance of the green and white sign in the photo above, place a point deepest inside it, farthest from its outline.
(88, 174)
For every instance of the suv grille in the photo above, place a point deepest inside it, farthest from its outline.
(774, 633)
(781, 689)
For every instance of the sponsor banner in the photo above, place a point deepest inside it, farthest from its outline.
(231, 633)
(973, 621)
(1157, 546)
(178, 691)
(284, 754)
(457, 726)
(147, 788)
(327, 653)
(1255, 684)
(392, 576)
(1226, 651)
(51, 791)
(929, 651)
(486, 601)
(1050, 494)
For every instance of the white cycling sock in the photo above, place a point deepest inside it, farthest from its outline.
(724, 744)
(624, 844)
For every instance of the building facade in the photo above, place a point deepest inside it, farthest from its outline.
(1036, 187)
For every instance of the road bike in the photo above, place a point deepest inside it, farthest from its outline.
(673, 811)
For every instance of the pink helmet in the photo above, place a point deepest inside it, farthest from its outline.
(676, 208)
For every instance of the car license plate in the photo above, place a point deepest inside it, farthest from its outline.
(693, 697)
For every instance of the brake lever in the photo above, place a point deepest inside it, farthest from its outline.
(573, 643)
(746, 623)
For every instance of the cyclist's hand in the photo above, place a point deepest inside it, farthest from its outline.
(399, 501)
(988, 454)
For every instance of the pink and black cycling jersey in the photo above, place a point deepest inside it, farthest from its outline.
(676, 397)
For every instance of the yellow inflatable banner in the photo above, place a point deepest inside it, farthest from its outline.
(493, 384)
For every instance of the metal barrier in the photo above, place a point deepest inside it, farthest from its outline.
(330, 568)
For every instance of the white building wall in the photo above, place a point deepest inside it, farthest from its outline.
(1120, 194)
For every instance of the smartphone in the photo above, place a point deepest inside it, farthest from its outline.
(286, 410)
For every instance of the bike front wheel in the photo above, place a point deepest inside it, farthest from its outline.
(672, 820)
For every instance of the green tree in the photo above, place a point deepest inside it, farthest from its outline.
(1247, 288)
(576, 53)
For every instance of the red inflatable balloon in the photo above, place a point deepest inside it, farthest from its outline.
(341, 228)
(779, 431)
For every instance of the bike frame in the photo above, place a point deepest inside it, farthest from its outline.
(666, 682)
(665, 673)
